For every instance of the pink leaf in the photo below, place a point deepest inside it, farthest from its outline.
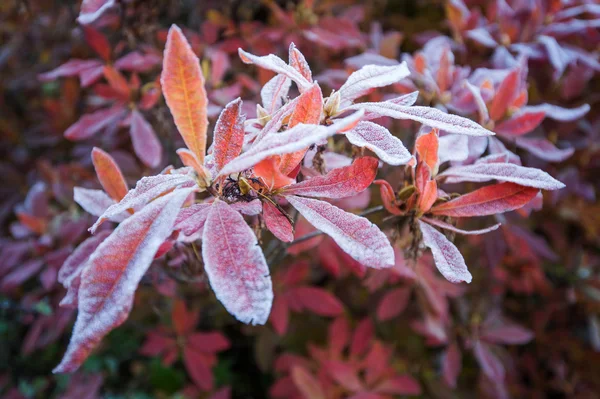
(452, 364)
(507, 333)
(393, 303)
(95, 202)
(72, 67)
(274, 92)
(192, 219)
(235, 265)
(520, 123)
(339, 183)
(318, 301)
(559, 113)
(137, 62)
(357, 236)
(369, 77)
(427, 116)
(379, 140)
(277, 65)
(490, 364)
(70, 273)
(198, 369)
(280, 315)
(446, 256)
(544, 149)
(145, 191)
(400, 385)
(344, 374)
(113, 272)
(481, 172)
(297, 138)
(90, 124)
(277, 223)
(251, 208)
(306, 383)
(229, 134)
(145, 143)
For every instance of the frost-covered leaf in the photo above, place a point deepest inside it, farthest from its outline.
(506, 92)
(145, 191)
(145, 143)
(427, 116)
(453, 147)
(339, 183)
(447, 226)
(559, 113)
(427, 146)
(298, 62)
(235, 265)
(109, 174)
(69, 274)
(192, 218)
(489, 200)
(544, 149)
(229, 134)
(94, 202)
(268, 171)
(277, 222)
(183, 87)
(299, 137)
(277, 65)
(251, 208)
(370, 77)
(481, 172)
(113, 272)
(90, 124)
(274, 92)
(357, 236)
(446, 256)
(91, 10)
(378, 139)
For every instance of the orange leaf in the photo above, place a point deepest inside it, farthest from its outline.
(505, 94)
(183, 87)
(188, 158)
(117, 81)
(308, 111)
(427, 148)
(229, 133)
(269, 172)
(109, 174)
(428, 196)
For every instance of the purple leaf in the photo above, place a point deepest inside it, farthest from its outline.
(144, 140)
(90, 124)
(544, 149)
(94, 202)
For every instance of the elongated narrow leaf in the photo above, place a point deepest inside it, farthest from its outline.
(192, 219)
(274, 92)
(405, 100)
(370, 77)
(189, 159)
(251, 208)
(447, 226)
(489, 200)
(229, 134)
(69, 274)
(507, 91)
(427, 146)
(277, 65)
(114, 270)
(109, 174)
(544, 149)
(94, 202)
(236, 266)
(277, 222)
(268, 170)
(145, 143)
(378, 139)
(356, 235)
(298, 62)
(294, 139)
(446, 256)
(146, 190)
(481, 172)
(340, 182)
(559, 113)
(183, 87)
(520, 124)
(90, 124)
(427, 116)
(307, 111)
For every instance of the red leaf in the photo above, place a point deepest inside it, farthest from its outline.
(489, 200)
(268, 170)
(520, 124)
(388, 197)
(428, 197)
(145, 143)
(362, 338)
(235, 265)
(192, 218)
(339, 183)
(98, 42)
(117, 82)
(306, 383)
(197, 368)
(427, 146)
(447, 258)
(357, 236)
(90, 124)
(109, 174)
(507, 91)
(507, 333)
(277, 223)
(209, 342)
(400, 385)
(229, 134)
(183, 320)
(393, 303)
(114, 270)
(183, 87)
(344, 374)
(280, 315)
(318, 301)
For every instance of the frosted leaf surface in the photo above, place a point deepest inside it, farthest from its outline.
(94, 202)
(378, 139)
(274, 91)
(229, 134)
(235, 265)
(192, 219)
(369, 77)
(277, 223)
(277, 65)
(447, 258)
(356, 235)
